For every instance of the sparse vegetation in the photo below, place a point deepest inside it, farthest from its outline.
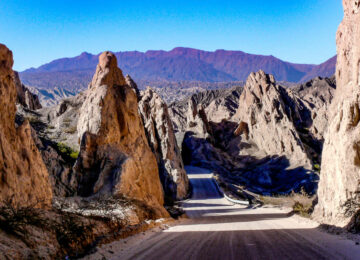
(67, 151)
(317, 167)
(14, 220)
(301, 203)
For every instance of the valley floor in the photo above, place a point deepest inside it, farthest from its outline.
(217, 229)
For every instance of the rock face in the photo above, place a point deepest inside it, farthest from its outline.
(115, 157)
(317, 95)
(24, 96)
(339, 187)
(23, 175)
(161, 137)
(268, 119)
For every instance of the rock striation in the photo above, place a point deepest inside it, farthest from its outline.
(115, 157)
(268, 117)
(24, 96)
(339, 187)
(23, 176)
(161, 137)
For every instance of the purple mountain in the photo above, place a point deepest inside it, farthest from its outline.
(179, 64)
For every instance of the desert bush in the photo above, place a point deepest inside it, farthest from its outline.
(301, 203)
(14, 219)
(73, 232)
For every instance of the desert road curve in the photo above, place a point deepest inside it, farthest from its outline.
(217, 229)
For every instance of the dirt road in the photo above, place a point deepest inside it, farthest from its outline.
(218, 229)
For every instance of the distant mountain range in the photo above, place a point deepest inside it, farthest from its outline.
(179, 64)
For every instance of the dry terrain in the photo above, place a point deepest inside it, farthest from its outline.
(217, 229)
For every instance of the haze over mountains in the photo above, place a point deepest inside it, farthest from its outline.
(179, 64)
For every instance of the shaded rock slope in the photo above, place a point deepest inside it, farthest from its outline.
(115, 157)
(24, 177)
(339, 187)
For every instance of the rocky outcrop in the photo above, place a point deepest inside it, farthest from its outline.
(24, 96)
(268, 117)
(339, 187)
(219, 105)
(115, 157)
(23, 175)
(317, 95)
(161, 137)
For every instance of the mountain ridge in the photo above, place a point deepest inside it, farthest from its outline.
(177, 64)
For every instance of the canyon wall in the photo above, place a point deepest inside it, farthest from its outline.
(23, 175)
(339, 187)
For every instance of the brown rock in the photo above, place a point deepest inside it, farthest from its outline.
(339, 187)
(161, 137)
(23, 175)
(115, 157)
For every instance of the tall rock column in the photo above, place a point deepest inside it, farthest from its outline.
(161, 137)
(115, 157)
(339, 187)
(23, 175)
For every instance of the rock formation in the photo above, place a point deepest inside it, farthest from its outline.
(23, 175)
(115, 157)
(24, 96)
(219, 105)
(161, 137)
(339, 187)
(268, 118)
(317, 95)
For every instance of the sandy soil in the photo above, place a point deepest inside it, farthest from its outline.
(217, 229)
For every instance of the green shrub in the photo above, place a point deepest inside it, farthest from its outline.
(303, 210)
(67, 151)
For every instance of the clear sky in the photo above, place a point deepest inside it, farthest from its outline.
(301, 31)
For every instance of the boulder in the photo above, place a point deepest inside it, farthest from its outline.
(115, 158)
(23, 176)
(339, 186)
(161, 137)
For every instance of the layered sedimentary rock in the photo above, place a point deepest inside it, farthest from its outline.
(24, 96)
(23, 175)
(268, 117)
(339, 187)
(161, 137)
(115, 157)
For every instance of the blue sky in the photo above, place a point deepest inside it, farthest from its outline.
(301, 31)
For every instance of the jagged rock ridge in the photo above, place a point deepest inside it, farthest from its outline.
(271, 118)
